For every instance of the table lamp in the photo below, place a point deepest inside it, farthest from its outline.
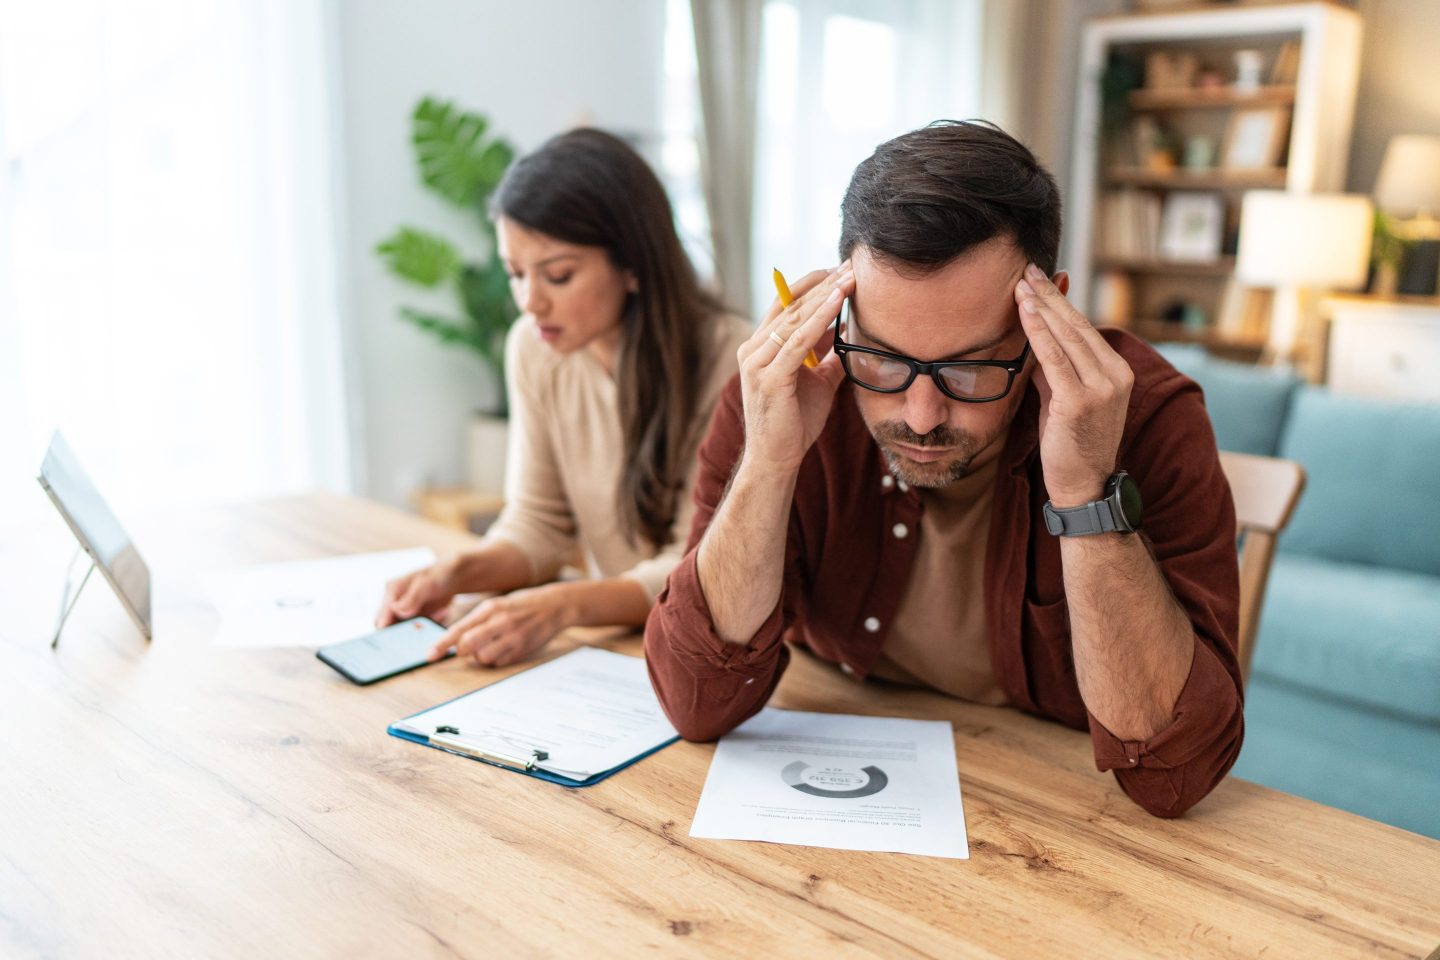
(1408, 188)
(1300, 243)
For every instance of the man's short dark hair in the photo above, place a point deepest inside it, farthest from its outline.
(927, 196)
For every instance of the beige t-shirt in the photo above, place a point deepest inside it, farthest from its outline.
(938, 636)
(566, 457)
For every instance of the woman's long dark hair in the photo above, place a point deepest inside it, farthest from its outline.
(589, 188)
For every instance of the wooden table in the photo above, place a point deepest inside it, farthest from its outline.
(181, 799)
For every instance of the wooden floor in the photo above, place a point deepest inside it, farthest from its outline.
(181, 799)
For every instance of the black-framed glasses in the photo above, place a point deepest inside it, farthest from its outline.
(968, 381)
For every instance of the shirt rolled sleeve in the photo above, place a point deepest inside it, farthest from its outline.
(707, 685)
(1173, 770)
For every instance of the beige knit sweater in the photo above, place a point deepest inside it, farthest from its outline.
(566, 456)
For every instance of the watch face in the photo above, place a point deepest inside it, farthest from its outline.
(1129, 497)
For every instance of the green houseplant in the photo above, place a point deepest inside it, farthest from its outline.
(458, 161)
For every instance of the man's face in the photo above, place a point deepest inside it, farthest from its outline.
(963, 311)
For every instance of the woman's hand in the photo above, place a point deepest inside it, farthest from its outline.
(507, 629)
(426, 592)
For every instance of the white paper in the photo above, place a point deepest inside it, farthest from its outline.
(306, 604)
(590, 710)
(834, 780)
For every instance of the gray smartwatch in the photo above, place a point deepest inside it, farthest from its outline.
(1117, 512)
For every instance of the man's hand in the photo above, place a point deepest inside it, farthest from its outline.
(787, 403)
(1084, 388)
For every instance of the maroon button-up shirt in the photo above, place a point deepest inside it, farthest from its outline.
(847, 562)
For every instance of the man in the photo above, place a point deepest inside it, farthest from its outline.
(892, 508)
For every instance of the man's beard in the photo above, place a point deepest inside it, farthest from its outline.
(963, 448)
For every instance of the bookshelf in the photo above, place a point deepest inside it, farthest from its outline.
(1177, 116)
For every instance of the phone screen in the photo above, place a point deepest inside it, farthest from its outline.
(384, 653)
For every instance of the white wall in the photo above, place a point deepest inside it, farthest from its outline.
(1399, 77)
(534, 68)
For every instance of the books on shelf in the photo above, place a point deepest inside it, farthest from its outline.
(1129, 225)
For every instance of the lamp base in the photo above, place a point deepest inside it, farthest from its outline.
(1420, 269)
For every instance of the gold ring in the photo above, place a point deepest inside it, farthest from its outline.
(779, 340)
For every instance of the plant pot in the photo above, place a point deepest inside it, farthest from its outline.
(489, 441)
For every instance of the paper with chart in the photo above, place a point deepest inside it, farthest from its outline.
(308, 603)
(591, 710)
(833, 780)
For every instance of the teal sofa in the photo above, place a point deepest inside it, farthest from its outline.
(1343, 703)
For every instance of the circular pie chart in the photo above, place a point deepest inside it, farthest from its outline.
(837, 783)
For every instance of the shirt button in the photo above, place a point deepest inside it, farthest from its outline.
(900, 531)
(846, 669)
(904, 486)
(872, 625)
(887, 481)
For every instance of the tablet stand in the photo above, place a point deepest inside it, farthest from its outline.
(67, 599)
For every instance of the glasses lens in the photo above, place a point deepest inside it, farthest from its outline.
(877, 372)
(975, 383)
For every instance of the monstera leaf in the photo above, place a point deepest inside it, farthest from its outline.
(419, 257)
(455, 160)
(459, 163)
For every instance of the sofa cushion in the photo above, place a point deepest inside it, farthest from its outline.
(1372, 493)
(1247, 404)
(1359, 632)
(1337, 752)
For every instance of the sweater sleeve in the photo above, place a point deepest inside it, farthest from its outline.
(537, 518)
(707, 685)
(1189, 520)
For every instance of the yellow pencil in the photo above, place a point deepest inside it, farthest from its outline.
(786, 298)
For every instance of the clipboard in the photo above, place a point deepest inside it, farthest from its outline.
(522, 754)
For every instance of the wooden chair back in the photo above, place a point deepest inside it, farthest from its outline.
(1265, 490)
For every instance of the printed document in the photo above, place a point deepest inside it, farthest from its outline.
(309, 603)
(591, 711)
(833, 780)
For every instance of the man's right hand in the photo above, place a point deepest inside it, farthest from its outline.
(426, 592)
(787, 403)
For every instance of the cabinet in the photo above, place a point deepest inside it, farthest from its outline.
(1384, 347)
(1158, 171)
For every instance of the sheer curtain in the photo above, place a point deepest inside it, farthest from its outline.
(168, 247)
(837, 78)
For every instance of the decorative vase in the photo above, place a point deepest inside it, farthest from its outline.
(489, 441)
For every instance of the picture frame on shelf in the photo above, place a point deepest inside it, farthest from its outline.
(1171, 69)
(1192, 226)
(1254, 138)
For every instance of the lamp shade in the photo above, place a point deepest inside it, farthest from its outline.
(1409, 180)
(1304, 239)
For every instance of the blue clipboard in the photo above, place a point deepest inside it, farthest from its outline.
(515, 763)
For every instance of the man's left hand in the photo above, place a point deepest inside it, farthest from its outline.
(1084, 388)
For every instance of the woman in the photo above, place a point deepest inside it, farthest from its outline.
(613, 372)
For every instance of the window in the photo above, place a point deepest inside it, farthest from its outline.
(167, 248)
(680, 138)
(839, 77)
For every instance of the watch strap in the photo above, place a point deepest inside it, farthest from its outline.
(1097, 516)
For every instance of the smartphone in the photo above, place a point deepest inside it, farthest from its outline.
(386, 652)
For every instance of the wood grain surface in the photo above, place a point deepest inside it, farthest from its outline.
(183, 799)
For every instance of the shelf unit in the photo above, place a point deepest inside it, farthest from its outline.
(1317, 111)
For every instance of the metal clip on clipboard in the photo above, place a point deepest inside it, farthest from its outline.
(448, 738)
